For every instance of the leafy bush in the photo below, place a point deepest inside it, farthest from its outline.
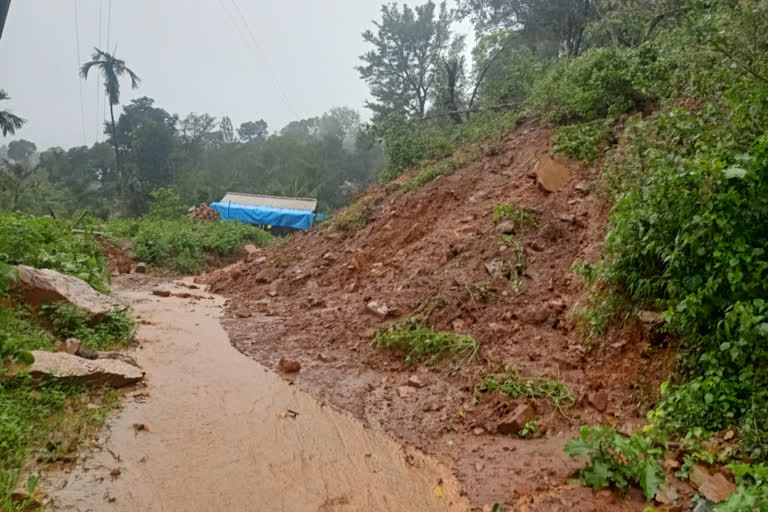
(511, 384)
(183, 245)
(165, 204)
(421, 343)
(584, 141)
(47, 243)
(753, 489)
(615, 460)
(117, 328)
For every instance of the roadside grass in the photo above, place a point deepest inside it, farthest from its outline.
(183, 245)
(420, 343)
(511, 384)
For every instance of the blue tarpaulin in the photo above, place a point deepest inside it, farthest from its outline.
(265, 215)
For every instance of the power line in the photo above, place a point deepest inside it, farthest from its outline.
(98, 89)
(80, 81)
(273, 75)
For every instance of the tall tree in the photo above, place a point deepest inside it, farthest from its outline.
(112, 69)
(408, 48)
(13, 177)
(227, 130)
(253, 130)
(9, 123)
(21, 150)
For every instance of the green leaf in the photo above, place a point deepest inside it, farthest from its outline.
(735, 172)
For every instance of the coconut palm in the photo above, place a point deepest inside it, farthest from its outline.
(9, 123)
(112, 69)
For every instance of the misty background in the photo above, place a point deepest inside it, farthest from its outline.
(280, 61)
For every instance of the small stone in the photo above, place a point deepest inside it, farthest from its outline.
(704, 506)
(243, 314)
(161, 292)
(405, 391)
(567, 218)
(140, 427)
(515, 421)
(479, 466)
(478, 431)
(115, 473)
(557, 304)
(288, 365)
(729, 434)
(666, 495)
(379, 309)
(671, 465)
(141, 268)
(581, 187)
(506, 228)
(415, 382)
(598, 400)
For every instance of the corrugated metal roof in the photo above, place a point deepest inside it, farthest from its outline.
(292, 203)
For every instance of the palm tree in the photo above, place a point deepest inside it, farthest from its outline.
(9, 123)
(112, 69)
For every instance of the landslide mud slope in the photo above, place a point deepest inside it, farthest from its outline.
(306, 300)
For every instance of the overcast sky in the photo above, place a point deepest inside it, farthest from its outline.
(192, 56)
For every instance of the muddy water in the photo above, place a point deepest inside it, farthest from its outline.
(220, 435)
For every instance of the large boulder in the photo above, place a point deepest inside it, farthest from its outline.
(40, 286)
(67, 368)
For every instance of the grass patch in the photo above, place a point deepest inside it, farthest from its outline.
(423, 344)
(183, 245)
(585, 141)
(117, 329)
(511, 384)
(444, 167)
(521, 218)
(351, 220)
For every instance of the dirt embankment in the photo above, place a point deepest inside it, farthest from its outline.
(306, 300)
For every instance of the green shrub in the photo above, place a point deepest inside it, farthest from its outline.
(117, 328)
(520, 217)
(165, 204)
(511, 384)
(421, 343)
(584, 141)
(43, 242)
(615, 460)
(183, 245)
(753, 489)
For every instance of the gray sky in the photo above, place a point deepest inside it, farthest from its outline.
(192, 55)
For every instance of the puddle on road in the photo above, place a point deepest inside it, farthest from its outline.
(219, 437)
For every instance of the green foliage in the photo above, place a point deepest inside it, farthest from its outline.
(530, 429)
(615, 460)
(7, 273)
(584, 141)
(47, 243)
(183, 245)
(353, 219)
(520, 217)
(117, 328)
(165, 204)
(753, 490)
(424, 344)
(511, 384)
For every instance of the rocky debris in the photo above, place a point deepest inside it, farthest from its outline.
(405, 391)
(267, 275)
(515, 421)
(279, 287)
(141, 268)
(203, 212)
(666, 495)
(506, 228)
(651, 319)
(161, 292)
(68, 368)
(288, 365)
(717, 488)
(598, 400)
(415, 382)
(70, 346)
(551, 175)
(44, 286)
(380, 309)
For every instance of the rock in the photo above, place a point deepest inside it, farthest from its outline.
(267, 275)
(67, 368)
(279, 287)
(161, 292)
(115, 473)
(495, 268)
(515, 421)
(506, 228)
(117, 356)
(415, 382)
(704, 506)
(141, 268)
(651, 319)
(671, 465)
(243, 314)
(379, 309)
(581, 187)
(44, 286)
(557, 304)
(666, 495)
(478, 431)
(698, 474)
(533, 315)
(405, 391)
(251, 249)
(551, 175)
(288, 365)
(598, 400)
(717, 488)
(70, 346)
(479, 466)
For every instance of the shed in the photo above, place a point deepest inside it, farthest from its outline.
(290, 213)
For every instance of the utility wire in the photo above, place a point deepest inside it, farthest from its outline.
(80, 79)
(98, 89)
(266, 60)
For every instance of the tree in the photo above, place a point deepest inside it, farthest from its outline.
(112, 69)
(253, 130)
(21, 150)
(14, 177)
(227, 130)
(403, 67)
(9, 123)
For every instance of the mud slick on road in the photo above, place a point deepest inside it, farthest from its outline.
(309, 301)
(213, 430)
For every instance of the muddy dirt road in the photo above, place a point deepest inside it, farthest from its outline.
(213, 430)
